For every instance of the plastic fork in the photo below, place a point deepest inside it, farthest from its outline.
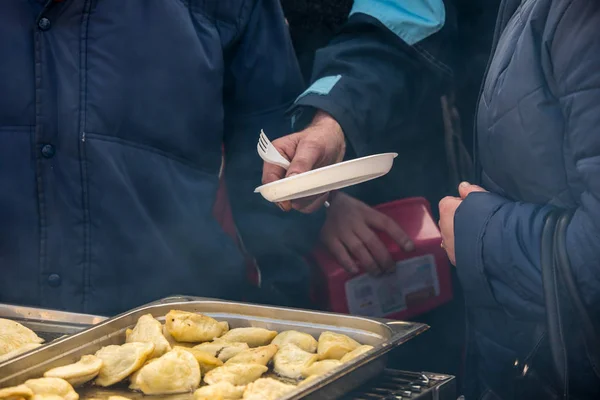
(269, 154)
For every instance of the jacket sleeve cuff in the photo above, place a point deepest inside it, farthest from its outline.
(304, 109)
(470, 222)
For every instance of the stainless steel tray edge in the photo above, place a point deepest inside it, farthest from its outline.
(49, 324)
(330, 386)
(337, 383)
(23, 313)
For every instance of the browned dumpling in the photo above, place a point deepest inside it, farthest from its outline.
(222, 349)
(335, 346)
(172, 341)
(13, 335)
(267, 389)
(52, 387)
(149, 330)
(236, 374)
(221, 390)
(291, 360)
(207, 361)
(258, 355)
(255, 337)
(356, 352)
(174, 372)
(193, 328)
(303, 340)
(118, 362)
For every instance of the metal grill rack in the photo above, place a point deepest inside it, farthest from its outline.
(403, 385)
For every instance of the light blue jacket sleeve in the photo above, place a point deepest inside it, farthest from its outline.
(411, 20)
(366, 74)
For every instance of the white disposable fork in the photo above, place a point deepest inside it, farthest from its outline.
(269, 154)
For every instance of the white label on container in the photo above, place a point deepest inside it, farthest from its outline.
(415, 280)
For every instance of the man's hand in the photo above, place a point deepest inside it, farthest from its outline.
(349, 235)
(448, 207)
(319, 145)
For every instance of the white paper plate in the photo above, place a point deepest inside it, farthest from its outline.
(332, 177)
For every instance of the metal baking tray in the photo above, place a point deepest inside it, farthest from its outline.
(384, 335)
(49, 324)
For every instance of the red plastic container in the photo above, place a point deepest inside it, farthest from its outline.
(421, 282)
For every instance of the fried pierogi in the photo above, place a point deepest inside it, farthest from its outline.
(190, 327)
(254, 337)
(118, 362)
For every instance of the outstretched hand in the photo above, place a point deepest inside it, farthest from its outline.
(319, 145)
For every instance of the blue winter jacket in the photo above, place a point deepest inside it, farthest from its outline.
(538, 147)
(112, 118)
(538, 143)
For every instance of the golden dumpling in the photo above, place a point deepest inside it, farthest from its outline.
(84, 370)
(15, 392)
(172, 341)
(206, 361)
(47, 397)
(254, 337)
(236, 374)
(133, 378)
(213, 397)
(222, 349)
(175, 372)
(221, 390)
(22, 349)
(335, 346)
(118, 362)
(52, 386)
(14, 335)
(356, 352)
(291, 360)
(303, 340)
(321, 367)
(149, 330)
(258, 355)
(193, 328)
(267, 389)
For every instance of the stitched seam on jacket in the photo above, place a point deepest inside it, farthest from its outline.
(85, 200)
(38, 160)
(517, 106)
(435, 62)
(566, 147)
(479, 259)
(139, 146)
(554, 30)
